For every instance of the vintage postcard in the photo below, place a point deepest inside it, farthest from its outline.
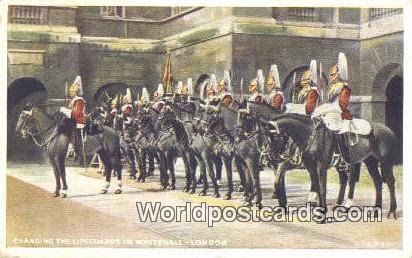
(202, 127)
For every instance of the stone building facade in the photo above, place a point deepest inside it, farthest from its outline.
(115, 47)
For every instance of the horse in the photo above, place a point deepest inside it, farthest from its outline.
(201, 145)
(53, 135)
(225, 125)
(144, 140)
(172, 141)
(317, 144)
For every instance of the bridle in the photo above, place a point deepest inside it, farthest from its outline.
(42, 143)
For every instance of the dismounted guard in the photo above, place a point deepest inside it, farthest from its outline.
(256, 88)
(309, 94)
(76, 111)
(275, 96)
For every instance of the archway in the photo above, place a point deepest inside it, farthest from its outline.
(108, 91)
(394, 110)
(21, 91)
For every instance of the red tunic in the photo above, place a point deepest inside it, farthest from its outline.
(78, 111)
(344, 103)
(311, 102)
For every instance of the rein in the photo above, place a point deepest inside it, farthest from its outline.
(42, 143)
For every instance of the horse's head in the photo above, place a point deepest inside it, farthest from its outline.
(25, 124)
(166, 117)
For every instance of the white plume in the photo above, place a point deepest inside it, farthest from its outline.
(190, 90)
(160, 90)
(343, 66)
(274, 71)
(314, 71)
(261, 81)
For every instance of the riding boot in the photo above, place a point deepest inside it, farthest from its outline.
(344, 150)
(78, 146)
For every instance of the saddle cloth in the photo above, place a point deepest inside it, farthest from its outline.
(295, 108)
(331, 115)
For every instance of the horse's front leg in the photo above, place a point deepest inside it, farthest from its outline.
(242, 175)
(343, 181)
(229, 173)
(279, 185)
(253, 163)
(171, 167)
(62, 169)
(107, 171)
(163, 170)
(209, 163)
(322, 174)
(188, 170)
(117, 166)
(56, 176)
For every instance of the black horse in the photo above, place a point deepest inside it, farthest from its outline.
(53, 135)
(172, 141)
(317, 144)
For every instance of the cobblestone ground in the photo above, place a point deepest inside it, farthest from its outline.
(88, 218)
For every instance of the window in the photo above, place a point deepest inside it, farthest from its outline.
(302, 14)
(379, 13)
(113, 11)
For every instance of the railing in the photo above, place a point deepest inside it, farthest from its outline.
(302, 14)
(28, 14)
(379, 13)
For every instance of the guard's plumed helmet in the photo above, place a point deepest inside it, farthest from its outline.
(310, 75)
(158, 94)
(76, 89)
(257, 84)
(225, 83)
(339, 72)
(144, 99)
(127, 99)
(273, 81)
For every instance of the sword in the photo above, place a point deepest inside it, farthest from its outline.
(293, 87)
(241, 89)
(84, 152)
(320, 82)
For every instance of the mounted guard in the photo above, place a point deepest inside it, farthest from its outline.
(308, 96)
(337, 116)
(158, 101)
(76, 111)
(275, 96)
(224, 89)
(257, 87)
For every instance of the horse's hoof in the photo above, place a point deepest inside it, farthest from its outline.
(63, 195)
(132, 177)
(240, 188)
(340, 206)
(247, 204)
(118, 191)
(394, 215)
(193, 191)
(228, 197)
(202, 193)
(55, 194)
(216, 195)
(186, 189)
(171, 187)
(274, 195)
(104, 191)
(259, 206)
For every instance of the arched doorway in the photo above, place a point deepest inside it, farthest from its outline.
(21, 91)
(394, 110)
(108, 91)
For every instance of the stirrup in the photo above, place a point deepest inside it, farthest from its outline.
(343, 164)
